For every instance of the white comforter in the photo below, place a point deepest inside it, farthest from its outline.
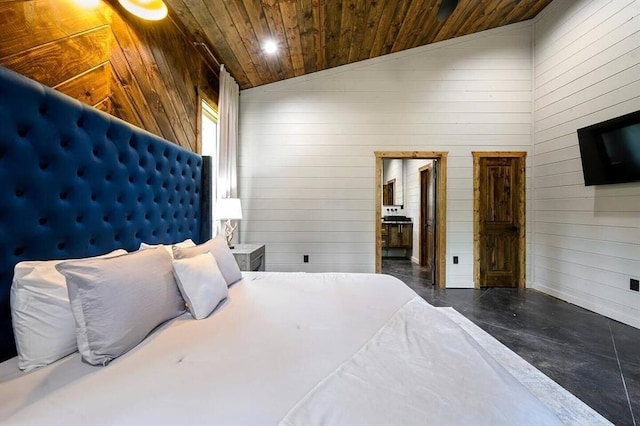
(291, 349)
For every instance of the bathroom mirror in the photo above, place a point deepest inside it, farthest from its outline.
(393, 178)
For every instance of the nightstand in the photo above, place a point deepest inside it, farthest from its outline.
(250, 257)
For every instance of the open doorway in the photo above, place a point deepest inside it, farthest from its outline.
(415, 225)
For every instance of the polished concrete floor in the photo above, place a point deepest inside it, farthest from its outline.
(595, 358)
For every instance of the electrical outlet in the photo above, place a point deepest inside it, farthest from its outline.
(634, 284)
(305, 258)
(455, 260)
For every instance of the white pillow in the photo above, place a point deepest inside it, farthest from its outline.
(186, 243)
(220, 250)
(116, 302)
(201, 283)
(43, 324)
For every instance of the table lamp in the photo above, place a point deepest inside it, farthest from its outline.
(228, 209)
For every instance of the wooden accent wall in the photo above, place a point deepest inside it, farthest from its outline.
(146, 73)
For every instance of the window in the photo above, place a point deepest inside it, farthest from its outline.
(209, 144)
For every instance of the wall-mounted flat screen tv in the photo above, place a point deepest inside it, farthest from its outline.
(610, 150)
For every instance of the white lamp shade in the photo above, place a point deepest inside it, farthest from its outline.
(228, 208)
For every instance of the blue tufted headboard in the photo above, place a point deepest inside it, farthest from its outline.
(77, 182)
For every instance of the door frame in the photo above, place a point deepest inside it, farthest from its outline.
(522, 242)
(441, 210)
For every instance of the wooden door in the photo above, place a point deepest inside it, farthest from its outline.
(427, 220)
(499, 196)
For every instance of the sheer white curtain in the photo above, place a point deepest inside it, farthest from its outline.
(228, 108)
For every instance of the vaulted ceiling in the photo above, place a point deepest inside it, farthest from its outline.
(313, 35)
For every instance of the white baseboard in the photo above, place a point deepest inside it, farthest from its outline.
(607, 311)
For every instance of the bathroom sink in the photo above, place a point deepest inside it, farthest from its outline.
(396, 219)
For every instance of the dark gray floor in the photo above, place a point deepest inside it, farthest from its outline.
(595, 358)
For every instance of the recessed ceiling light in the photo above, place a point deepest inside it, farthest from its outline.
(270, 46)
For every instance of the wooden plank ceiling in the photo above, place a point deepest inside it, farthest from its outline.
(313, 35)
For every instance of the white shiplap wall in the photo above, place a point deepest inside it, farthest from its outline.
(587, 239)
(307, 164)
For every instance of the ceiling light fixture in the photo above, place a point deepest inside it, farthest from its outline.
(270, 47)
(152, 10)
(446, 9)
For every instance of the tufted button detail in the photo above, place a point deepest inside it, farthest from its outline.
(92, 241)
(116, 237)
(119, 198)
(131, 179)
(19, 192)
(19, 251)
(42, 110)
(22, 131)
(108, 177)
(44, 165)
(105, 218)
(93, 196)
(63, 195)
(96, 152)
(60, 246)
(80, 122)
(129, 217)
(80, 172)
(43, 221)
(132, 142)
(78, 219)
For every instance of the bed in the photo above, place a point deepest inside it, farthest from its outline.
(280, 348)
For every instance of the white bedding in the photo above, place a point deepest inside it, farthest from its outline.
(289, 348)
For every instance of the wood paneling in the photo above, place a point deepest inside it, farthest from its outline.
(147, 73)
(586, 240)
(317, 34)
(58, 61)
(91, 87)
(26, 24)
